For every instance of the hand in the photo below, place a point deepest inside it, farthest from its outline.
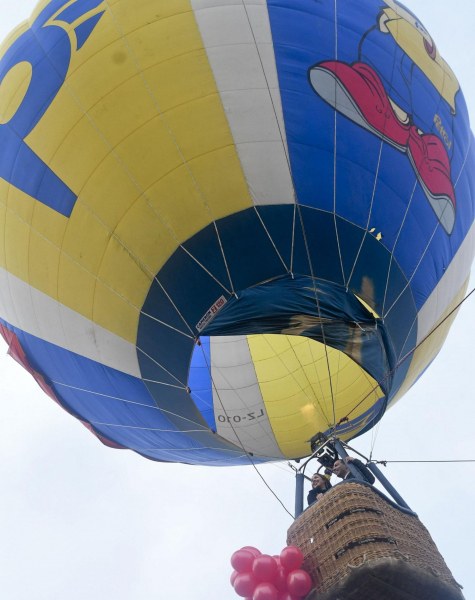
(349, 459)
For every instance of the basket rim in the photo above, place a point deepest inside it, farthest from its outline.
(352, 482)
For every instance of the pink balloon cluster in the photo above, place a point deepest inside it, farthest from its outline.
(259, 576)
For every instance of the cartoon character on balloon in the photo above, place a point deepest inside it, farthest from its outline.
(407, 101)
(61, 29)
(259, 576)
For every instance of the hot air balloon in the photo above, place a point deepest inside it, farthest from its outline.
(230, 226)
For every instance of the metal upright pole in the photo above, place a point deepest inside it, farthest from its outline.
(376, 472)
(387, 485)
(343, 453)
(299, 481)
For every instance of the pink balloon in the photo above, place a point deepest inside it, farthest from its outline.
(245, 584)
(299, 582)
(265, 591)
(264, 568)
(291, 558)
(234, 574)
(280, 580)
(287, 596)
(242, 561)
(252, 550)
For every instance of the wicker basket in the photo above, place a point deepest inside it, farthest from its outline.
(358, 545)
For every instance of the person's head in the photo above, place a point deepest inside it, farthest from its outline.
(320, 482)
(340, 468)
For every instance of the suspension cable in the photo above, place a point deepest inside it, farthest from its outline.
(241, 445)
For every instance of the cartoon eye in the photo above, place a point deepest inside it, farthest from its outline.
(430, 47)
(428, 41)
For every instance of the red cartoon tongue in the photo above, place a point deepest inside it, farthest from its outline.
(357, 92)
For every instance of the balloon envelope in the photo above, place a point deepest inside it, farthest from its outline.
(224, 229)
(242, 561)
(265, 568)
(299, 582)
(291, 558)
(244, 584)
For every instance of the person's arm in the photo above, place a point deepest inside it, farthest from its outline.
(368, 476)
(312, 496)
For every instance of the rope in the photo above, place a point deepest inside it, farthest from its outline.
(335, 154)
(317, 302)
(248, 454)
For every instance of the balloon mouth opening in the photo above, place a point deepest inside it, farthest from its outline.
(323, 312)
(304, 356)
(293, 385)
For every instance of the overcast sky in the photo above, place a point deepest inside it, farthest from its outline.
(79, 521)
